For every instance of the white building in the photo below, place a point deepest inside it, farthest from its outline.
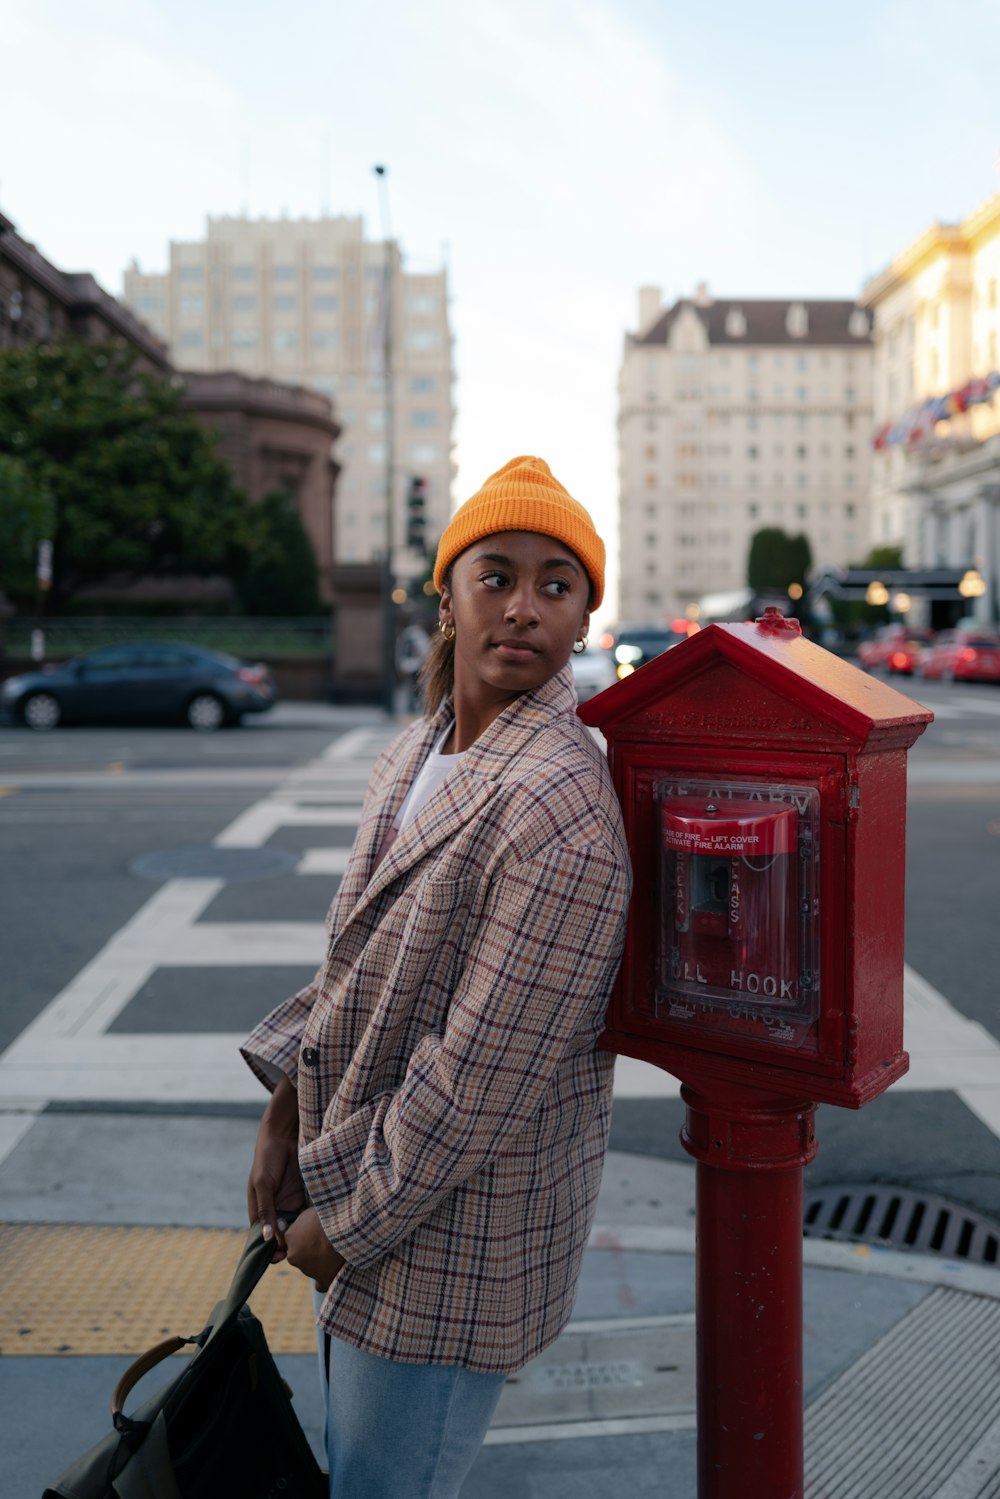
(936, 467)
(303, 300)
(735, 415)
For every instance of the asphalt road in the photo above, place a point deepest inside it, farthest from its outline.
(81, 808)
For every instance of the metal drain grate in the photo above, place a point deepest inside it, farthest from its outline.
(900, 1219)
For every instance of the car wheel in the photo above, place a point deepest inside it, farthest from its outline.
(41, 711)
(206, 712)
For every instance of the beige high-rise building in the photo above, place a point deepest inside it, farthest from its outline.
(302, 300)
(735, 415)
(936, 468)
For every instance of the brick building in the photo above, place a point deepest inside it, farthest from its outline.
(275, 436)
(38, 302)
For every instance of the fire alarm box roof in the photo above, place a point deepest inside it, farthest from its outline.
(764, 675)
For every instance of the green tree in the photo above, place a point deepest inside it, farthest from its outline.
(25, 520)
(279, 575)
(889, 559)
(108, 459)
(776, 559)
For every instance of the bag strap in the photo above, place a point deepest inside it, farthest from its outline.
(255, 1257)
(134, 1373)
(257, 1254)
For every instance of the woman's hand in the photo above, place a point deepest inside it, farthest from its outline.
(275, 1183)
(310, 1251)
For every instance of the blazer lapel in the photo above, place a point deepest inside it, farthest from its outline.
(374, 829)
(467, 789)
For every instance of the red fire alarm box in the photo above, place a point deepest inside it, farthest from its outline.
(763, 785)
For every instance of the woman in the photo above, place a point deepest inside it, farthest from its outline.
(438, 1099)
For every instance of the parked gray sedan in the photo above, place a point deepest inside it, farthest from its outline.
(152, 680)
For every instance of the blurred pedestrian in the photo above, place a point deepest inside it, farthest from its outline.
(440, 1109)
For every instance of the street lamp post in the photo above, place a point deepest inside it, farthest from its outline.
(388, 579)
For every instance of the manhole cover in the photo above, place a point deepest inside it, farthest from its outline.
(901, 1219)
(236, 865)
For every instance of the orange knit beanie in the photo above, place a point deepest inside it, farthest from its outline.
(524, 496)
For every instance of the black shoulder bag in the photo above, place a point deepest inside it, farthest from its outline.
(224, 1424)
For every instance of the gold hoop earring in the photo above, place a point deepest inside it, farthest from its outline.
(448, 631)
(579, 646)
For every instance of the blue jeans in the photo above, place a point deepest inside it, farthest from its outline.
(401, 1431)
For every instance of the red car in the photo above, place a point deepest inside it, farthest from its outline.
(963, 655)
(896, 647)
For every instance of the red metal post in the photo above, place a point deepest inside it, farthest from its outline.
(750, 1148)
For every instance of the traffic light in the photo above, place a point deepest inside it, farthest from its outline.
(416, 514)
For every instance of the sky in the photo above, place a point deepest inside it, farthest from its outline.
(554, 155)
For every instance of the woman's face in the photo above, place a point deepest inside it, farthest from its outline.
(518, 601)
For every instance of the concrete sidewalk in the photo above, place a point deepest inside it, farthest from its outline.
(901, 1352)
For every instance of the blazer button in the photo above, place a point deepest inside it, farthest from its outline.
(310, 1056)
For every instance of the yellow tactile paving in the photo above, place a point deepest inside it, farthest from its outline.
(88, 1289)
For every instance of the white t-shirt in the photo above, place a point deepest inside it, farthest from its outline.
(429, 778)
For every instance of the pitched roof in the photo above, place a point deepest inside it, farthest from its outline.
(766, 322)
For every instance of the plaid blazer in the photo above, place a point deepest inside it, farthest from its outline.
(454, 1107)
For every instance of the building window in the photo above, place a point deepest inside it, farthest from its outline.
(423, 418)
(189, 273)
(284, 303)
(801, 451)
(376, 453)
(192, 304)
(245, 302)
(191, 339)
(801, 510)
(421, 385)
(752, 453)
(325, 302)
(801, 392)
(243, 273)
(324, 338)
(328, 385)
(422, 340)
(244, 338)
(423, 453)
(849, 393)
(283, 273)
(284, 338)
(324, 273)
(849, 511)
(422, 304)
(376, 419)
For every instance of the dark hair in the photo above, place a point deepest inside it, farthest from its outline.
(437, 674)
(436, 678)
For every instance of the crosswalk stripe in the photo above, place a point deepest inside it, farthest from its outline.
(68, 1053)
